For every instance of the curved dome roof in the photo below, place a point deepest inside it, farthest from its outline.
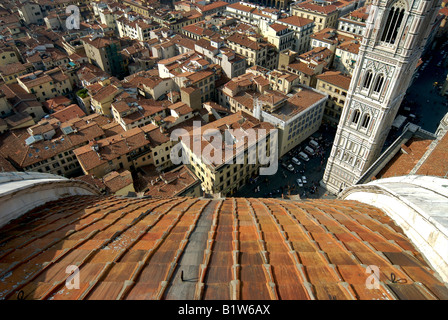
(196, 248)
(23, 191)
(419, 205)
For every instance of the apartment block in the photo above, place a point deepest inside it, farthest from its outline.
(177, 182)
(129, 151)
(324, 13)
(346, 56)
(256, 50)
(31, 13)
(224, 175)
(335, 85)
(279, 35)
(354, 23)
(136, 29)
(104, 53)
(10, 72)
(46, 84)
(8, 55)
(132, 113)
(49, 148)
(277, 98)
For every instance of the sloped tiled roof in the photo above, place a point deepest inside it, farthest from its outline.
(406, 159)
(296, 21)
(309, 5)
(436, 163)
(244, 249)
(335, 78)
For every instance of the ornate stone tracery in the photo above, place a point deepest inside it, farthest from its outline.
(377, 93)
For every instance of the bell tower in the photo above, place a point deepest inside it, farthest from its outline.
(396, 33)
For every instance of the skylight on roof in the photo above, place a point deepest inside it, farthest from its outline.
(67, 130)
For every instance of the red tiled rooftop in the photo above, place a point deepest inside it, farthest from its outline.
(336, 78)
(309, 5)
(406, 159)
(125, 249)
(436, 164)
(68, 113)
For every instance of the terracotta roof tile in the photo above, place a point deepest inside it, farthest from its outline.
(296, 21)
(335, 78)
(436, 164)
(69, 112)
(141, 238)
(309, 5)
(406, 159)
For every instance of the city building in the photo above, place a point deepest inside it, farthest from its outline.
(302, 28)
(8, 55)
(354, 23)
(253, 14)
(279, 35)
(48, 146)
(255, 49)
(136, 29)
(10, 72)
(179, 182)
(307, 65)
(296, 117)
(129, 150)
(325, 14)
(336, 86)
(104, 53)
(30, 12)
(277, 98)
(131, 113)
(46, 84)
(346, 56)
(226, 165)
(113, 183)
(101, 95)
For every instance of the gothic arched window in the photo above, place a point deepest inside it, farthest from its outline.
(378, 84)
(393, 23)
(356, 116)
(365, 121)
(367, 79)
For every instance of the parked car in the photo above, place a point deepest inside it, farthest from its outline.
(299, 182)
(304, 156)
(290, 167)
(314, 144)
(296, 161)
(309, 150)
(304, 179)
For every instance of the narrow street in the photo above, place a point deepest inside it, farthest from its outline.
(284, 181)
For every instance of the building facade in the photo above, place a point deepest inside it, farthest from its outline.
(335, 85)
(395, 36)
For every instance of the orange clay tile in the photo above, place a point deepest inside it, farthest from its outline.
(126, 248)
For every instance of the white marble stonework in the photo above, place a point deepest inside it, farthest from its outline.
(23, 191)
(419, 205)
